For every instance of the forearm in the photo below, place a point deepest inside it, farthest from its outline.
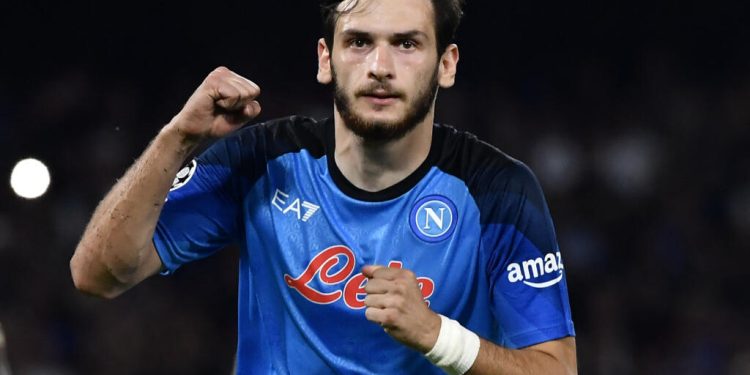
(554, 359)
(115, 251)
(457, 350)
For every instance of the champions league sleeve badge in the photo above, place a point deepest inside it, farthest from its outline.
(184, 175)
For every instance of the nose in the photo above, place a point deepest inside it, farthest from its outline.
(381, 63)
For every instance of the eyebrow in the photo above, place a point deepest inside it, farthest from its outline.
(410, 34)
(402, 35)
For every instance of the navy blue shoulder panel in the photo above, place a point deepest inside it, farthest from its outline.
(488, 172)
(289, 134)
(504, 189)
(531, 304)
(493, 178)
(247, 150)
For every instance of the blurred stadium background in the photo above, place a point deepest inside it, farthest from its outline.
(634, 115)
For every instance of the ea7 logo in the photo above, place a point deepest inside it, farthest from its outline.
(533, 269)
(304, 209)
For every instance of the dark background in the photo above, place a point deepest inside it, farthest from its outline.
(635, 115)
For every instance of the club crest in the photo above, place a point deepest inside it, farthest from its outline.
(433, 218)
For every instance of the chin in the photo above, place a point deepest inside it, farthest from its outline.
(379, 129)
(383, 121)
(385, 115)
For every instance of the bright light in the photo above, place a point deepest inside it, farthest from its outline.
(30, 178)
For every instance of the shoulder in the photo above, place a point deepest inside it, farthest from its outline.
(504, 189)
(483, 167)
(287, 134)
(284, 126)
(270, 139)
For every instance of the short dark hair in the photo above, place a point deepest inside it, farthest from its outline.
(448, 15)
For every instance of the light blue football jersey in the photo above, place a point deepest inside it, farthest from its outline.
(470, 222)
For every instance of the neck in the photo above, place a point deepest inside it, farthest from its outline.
(374, 166)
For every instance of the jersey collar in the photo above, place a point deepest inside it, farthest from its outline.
(388, 193)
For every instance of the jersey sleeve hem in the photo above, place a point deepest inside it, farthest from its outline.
(163, 250)
(538, 336)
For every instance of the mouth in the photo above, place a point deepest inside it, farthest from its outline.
(380, 97)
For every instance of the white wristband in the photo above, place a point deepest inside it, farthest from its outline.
(456, 347)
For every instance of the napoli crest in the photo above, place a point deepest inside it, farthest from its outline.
(433, 218)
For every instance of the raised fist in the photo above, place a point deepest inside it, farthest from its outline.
(221, 104)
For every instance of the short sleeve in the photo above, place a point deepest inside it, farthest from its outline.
(201, 213)
(527, 277)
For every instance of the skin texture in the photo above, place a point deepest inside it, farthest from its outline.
(400, 55)
(398, 90)
(116, 249)
(382, 48)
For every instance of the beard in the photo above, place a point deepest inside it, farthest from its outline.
(383, 131)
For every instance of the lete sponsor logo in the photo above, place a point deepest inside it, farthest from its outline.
(537, 268)
(323, 267)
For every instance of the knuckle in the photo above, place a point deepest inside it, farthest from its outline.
(400, 288)
(390, 317)
(390, 301)
(372, 314)
(398, 301)
(214, 75)
(245, 93)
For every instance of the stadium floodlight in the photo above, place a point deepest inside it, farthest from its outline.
(4, 366)
(30, 178)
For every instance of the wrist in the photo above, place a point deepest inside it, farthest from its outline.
(429, 333)
(185, 143)
(456, 347)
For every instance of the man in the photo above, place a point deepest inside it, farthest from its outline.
(375, 242)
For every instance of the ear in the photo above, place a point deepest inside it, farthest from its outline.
(448, 65)
(324, 62)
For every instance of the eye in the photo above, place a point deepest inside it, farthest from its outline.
(358, 43)
(408, 44)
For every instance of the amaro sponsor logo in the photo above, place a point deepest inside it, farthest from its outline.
(541, 272)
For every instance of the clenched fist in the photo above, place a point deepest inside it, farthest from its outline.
(395, 301)
(221, 104)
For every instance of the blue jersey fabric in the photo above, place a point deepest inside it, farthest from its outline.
(471, 223)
